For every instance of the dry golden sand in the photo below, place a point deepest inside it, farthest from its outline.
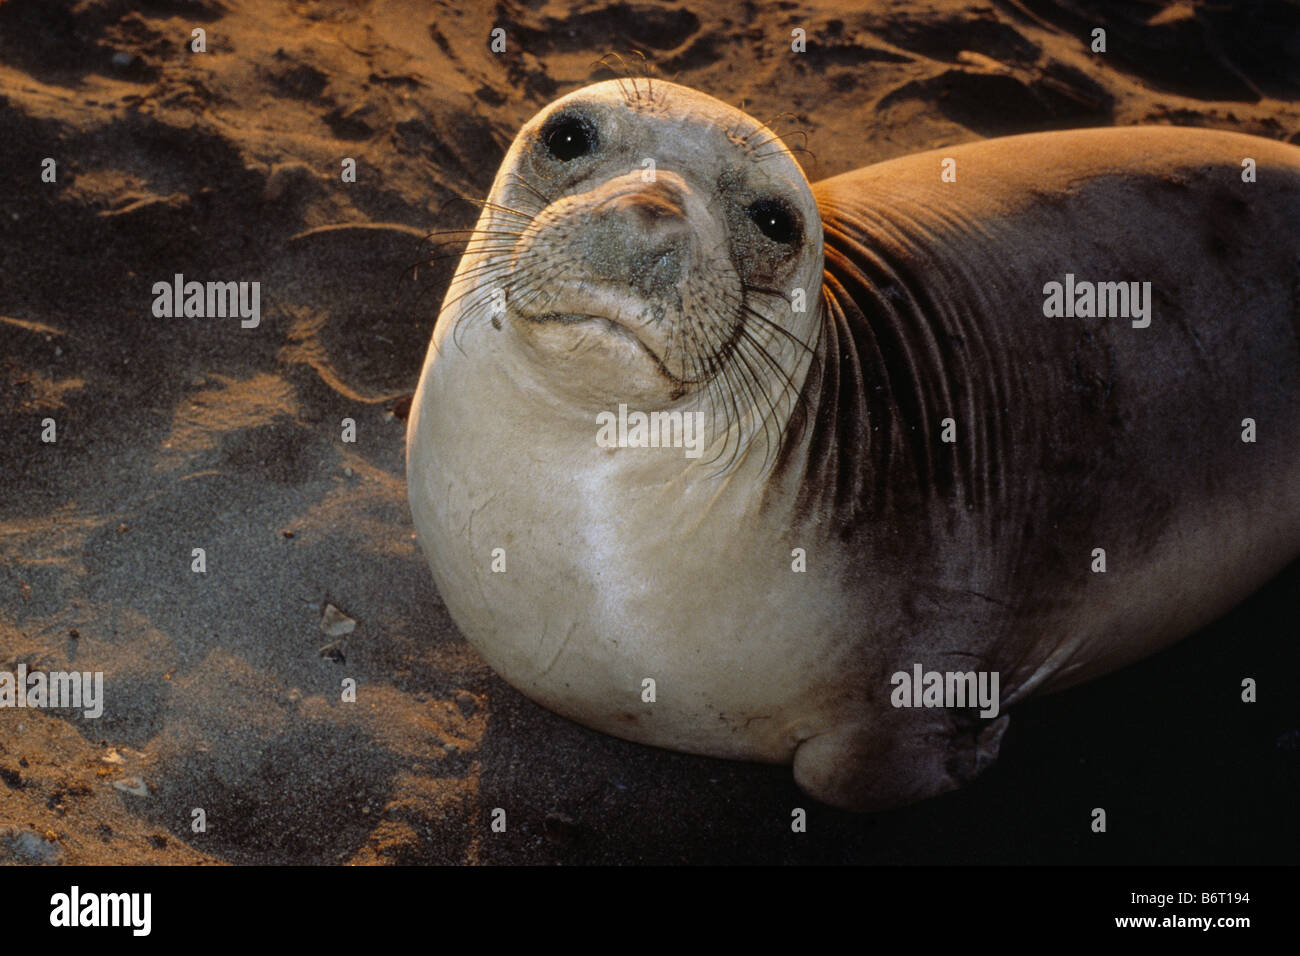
(182, 433)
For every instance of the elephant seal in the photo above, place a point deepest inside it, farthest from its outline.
(940, 456)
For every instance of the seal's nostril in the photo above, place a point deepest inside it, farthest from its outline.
(653, 206)
(649, 209)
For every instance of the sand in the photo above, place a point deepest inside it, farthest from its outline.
(222, 691)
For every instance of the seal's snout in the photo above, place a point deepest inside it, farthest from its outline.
(628, 278)
(640, 236)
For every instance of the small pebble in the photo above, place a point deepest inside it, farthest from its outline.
(132, 785)
(333, 652)
(560, 829)
(466, 703)
(335, 623)
(23, 846)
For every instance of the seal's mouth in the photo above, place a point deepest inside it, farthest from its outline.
(605, 325)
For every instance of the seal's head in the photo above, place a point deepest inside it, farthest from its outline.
(649, 244)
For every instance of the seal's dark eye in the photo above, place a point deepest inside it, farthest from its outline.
(774, 220)
(568, 138)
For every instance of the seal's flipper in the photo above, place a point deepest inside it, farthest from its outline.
(855, 767)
